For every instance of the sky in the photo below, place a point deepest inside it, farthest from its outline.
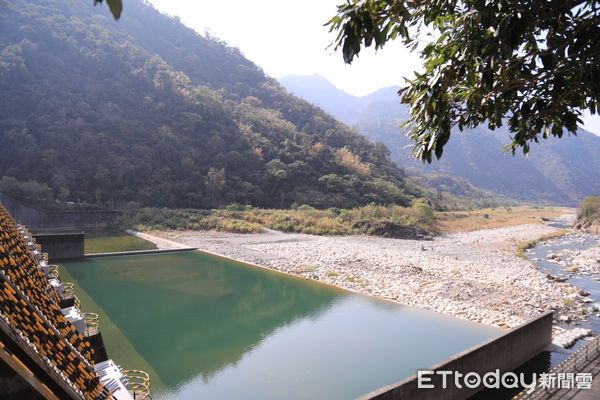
(287, 37)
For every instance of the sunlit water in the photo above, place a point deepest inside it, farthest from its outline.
(210, 328)
(589, 282)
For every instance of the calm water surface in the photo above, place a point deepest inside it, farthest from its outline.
(210, 328)
(115, 242)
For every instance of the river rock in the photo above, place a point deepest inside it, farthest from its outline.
(567, 337)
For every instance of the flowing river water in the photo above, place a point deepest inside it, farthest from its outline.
(549, 258)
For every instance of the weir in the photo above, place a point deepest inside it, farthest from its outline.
(234, 325)
(231, 330)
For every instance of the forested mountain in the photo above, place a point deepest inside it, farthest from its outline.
(145, 111)
(558, 170)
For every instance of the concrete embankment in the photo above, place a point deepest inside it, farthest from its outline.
(138, 252)
(504, 353)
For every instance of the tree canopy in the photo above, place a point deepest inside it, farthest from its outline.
(534, 65)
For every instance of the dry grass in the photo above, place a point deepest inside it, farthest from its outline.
(465, 221)
(393, 221)
(529, 244)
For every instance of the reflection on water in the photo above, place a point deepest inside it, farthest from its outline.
(214, 329)
(115, 242)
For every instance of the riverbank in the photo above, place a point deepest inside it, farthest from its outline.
(472, 275)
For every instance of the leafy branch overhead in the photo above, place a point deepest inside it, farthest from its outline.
(532, 64)
(115, 6)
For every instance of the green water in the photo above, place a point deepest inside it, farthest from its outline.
(115, 243)
(208, 328)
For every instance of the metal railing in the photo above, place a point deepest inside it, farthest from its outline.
(92, 320)
(76, 301)
(53, 272)
(68, 289)
(138, 384)
(572, 364)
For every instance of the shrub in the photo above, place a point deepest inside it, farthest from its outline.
(234, 207)
(424, 212)
(391, 221)
(589, 210)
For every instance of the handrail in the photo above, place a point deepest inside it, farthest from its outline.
(68, 289)
(76, 301)
(138, 384)
(92, 321)
(53, 272)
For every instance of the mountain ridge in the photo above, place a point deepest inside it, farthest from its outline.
(558, 170)
(145, 111)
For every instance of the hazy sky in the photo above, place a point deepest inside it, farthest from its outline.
(288, 37)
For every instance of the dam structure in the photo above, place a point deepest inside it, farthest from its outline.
(209, 327)
(49, 348)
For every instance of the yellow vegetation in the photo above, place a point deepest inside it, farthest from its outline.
(351, 161)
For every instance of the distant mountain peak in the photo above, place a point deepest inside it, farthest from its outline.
(341, 104)
(558, 170)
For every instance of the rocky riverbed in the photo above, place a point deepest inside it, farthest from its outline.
(574, 259)
(471, 275)
(578, 261)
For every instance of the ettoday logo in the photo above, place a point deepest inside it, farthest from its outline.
(472, 380)
(508, 380)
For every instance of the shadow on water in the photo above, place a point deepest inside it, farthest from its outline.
(215, 315)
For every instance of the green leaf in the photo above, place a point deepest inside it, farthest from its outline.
(116, 7)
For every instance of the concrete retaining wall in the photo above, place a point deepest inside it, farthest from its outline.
(39, 219)
(61, 246)
(138, 252)
(505, 353)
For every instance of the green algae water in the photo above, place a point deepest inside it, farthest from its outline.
(110, 243)
(205, 327)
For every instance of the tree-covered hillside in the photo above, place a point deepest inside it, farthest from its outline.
(145, 111)
(559, 170)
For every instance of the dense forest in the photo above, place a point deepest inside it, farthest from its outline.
(146, 112)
